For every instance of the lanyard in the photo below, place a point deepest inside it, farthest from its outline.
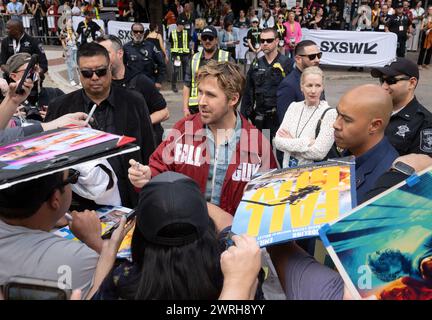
(298, 123)
(280, 28)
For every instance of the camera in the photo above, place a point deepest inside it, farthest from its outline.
(32, 111)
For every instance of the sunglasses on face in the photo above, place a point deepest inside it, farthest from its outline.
(267, 40)
(312, 56)
(392, 80)
(207, 38)
(138, 31)
(89, 73)
(72, 178)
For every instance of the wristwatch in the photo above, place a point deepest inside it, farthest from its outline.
(403, 168)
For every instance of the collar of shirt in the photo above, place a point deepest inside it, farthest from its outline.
(88, 103)
(408, 112)
(366, 158)
(232, 141)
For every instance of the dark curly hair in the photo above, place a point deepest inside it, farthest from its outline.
(381, 262)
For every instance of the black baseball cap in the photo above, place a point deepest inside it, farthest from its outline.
(398, 4)
(181, 21)
(209, 31)
(401, 66)
(169, 199)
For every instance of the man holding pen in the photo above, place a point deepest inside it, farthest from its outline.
(118, 110)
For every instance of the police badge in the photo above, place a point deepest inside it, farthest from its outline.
(402, 130)
(426, 140)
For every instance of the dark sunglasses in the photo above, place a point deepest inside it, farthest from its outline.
(72, 178)
(267, 40)
(89, 73)
(392, 80)
(312, 56)
(138, 31)
(207, 38)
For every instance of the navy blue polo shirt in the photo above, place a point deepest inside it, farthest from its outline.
(371, 165)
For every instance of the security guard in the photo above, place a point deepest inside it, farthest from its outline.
(180, 40)
(410, 126)
(209, 40)
(143, 56)
(19, 41)
(263, 79)
(400, 24)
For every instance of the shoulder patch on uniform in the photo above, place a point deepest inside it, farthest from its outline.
(41, 48)
(426, 140)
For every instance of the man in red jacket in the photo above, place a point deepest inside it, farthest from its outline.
(216, 147)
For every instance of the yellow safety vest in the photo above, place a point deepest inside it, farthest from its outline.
(193, 97)
(175, 48)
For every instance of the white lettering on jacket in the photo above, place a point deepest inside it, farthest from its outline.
(245, 171)
(188, 154)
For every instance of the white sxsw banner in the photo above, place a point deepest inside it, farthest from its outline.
(353, 48)
(242, 47)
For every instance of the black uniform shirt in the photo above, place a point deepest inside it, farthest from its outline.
(26, 44)
(262, 82)
(410, 130)
(144, 57)
(399, 25)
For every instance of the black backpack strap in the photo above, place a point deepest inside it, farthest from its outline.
(318, 127)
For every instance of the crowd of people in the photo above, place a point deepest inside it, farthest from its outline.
(186, 186)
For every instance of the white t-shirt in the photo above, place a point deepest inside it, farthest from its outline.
(43, 255)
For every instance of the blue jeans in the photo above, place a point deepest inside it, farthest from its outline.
(71, 62)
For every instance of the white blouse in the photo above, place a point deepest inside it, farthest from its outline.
(301, 122)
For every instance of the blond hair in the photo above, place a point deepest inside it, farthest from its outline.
(311, 70)
(228, 75)
(200, 23)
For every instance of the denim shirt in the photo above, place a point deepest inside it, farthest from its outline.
(219, 161)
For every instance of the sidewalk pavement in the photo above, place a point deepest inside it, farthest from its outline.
(337, 81)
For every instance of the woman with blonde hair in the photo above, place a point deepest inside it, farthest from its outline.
(306, 132)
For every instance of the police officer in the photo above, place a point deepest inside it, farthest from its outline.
(400, 24)
(209, 41)
(19, 41)
(410, 126)
(180, 40)
(143, 56)
(263, 79)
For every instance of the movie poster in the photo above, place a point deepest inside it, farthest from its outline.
(294, 203)
(384, 248)
(108, 216)
(46, 147)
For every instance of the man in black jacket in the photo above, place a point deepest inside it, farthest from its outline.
(119, 111)
(134, 80)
